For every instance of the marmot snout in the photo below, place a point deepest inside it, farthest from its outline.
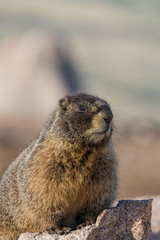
(101, 126)
(65, 177)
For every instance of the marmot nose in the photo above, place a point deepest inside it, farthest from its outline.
(108, 118)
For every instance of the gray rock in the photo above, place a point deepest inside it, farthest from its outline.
(156, 214)
(155, 218)
(130, 219)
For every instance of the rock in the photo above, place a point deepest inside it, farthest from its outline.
(155, 236)
(155, 218)
(130, 219)
(36, 70)
(156, 214)
(31, 82)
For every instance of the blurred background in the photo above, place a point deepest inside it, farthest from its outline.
(107, 48)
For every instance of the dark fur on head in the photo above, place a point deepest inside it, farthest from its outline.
(76, 115)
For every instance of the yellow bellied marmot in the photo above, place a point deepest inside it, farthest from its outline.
(64, 178)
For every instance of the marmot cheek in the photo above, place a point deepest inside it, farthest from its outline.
(98, 121)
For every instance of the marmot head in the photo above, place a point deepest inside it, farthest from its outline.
(82, 117)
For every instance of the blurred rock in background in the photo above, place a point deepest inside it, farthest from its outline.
(35, 71)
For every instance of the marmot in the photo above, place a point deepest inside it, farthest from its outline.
(65, 177)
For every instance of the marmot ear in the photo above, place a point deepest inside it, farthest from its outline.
(64, 103)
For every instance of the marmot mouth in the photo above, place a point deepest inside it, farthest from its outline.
(107, 129)
(99, 135)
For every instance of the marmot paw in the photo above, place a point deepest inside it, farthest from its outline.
(60, 231)
(84, 224)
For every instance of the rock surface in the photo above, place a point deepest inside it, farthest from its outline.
(156, 214)
(130, 219)
(155, 218)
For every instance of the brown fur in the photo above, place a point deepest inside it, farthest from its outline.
(65, 177)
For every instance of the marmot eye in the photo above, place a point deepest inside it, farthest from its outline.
(82, 108)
